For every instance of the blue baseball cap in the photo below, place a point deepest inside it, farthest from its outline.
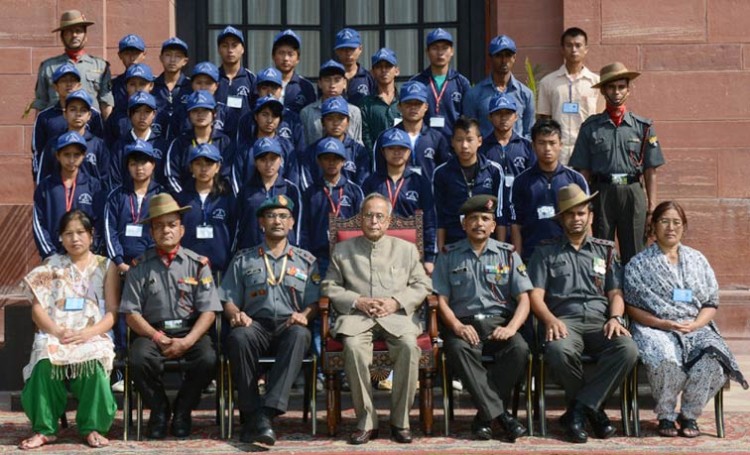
(413, 90)
(287, 36)
(269, 74)
(131, 42)
(230, 31)
(175, 43)
(141, 98)
(207, 68)
(70, 138)
(439, 35)
(265, 101)
(62, 70)
(330, 145)
(201, 99)
(331, 67)
(267, 145)
(82, 95)
(139, 70)
(208, 151)
(347, 37)
(277, 202)
(140, 146)
(500, 101)
(384, 55)
(395, 137)
(501, 43)
(336, 104)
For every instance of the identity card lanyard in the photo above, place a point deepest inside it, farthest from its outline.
(69, 196)
(391, 196)
(435, 93)
(336, 209)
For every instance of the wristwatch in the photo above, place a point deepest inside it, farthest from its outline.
(620, 320)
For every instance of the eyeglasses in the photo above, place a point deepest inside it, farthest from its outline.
(379, 217)
(667, 222)
(273, 216)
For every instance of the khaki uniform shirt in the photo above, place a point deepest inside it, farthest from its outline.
(95, 79)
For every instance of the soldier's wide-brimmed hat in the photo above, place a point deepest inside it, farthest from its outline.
(615, 71)
(163, 204)
(70, 18)
(571, 196)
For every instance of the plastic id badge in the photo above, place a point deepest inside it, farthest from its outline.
(682, 295)
(545, 212)
(134, 230)
(73, 304)
(437, 122)
(570, 108)
(234, 102)
(204, 232)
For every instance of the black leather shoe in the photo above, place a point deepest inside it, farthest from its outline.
(182, 424)
(264, 433)
(513, 428)
(481, 430)
(362, 436)
(576, 428)
(603, 428)
(401, 435)
(157, 424)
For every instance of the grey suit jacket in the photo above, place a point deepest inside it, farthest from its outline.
(389, 267)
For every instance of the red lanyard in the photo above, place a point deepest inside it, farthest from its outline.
(136, 215)
(336, 209)
(393, 197)
(69, 198)
(435, 93)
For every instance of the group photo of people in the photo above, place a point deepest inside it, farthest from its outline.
(190, 213)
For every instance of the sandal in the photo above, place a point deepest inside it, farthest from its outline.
(95, 440)
(667, 428)
(36, 441)
(689, 428)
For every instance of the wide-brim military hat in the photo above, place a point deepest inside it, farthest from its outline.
(163, 204)
(571, 196)
(613, 72)
(71, 18)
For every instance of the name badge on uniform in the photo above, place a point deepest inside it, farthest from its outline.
(682, 295)
(134, 230)
(396, 121)
(570, 108)
(437, 122)
(73, 304)
(509, 180)
(234, 102)
(204, 232)
(545, 212)
(600, 266)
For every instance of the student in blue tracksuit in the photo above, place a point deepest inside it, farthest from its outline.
(138, 78)
(127, 204)
(467, 174)
(62, 191)
(51, 122)
(142, 112)
(297, 91)
(211, 223)
(205, 77)
(348, 48)
(406, 187)
(131, 50)
(96, 163)
(266, 119)
(447, 86)
(335, 120)
(200, 109)
(503, 145)
(533, 200)
(269, 83)
(170, 84)
(429, 147)
(236, 83)
(265, 183)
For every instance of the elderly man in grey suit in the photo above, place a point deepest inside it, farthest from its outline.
(376, 284)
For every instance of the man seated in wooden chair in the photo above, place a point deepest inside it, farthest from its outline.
(376, 284)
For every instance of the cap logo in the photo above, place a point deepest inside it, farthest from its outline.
(265, 142)
(413, 88)
(394, 135)
(282, 200)
(331, 146)
(346, 34)
(488, 204)
(201, 98)
(130, 39)
(334, 104)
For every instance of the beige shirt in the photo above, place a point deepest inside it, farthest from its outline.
(558, 88)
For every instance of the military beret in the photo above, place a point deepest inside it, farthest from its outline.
(277, 202)
(481, 203)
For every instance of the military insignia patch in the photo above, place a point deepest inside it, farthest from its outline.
(521, 269)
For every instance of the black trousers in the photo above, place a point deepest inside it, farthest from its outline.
(490, 387)
(247, 345)
(621, 210)
(146, 363)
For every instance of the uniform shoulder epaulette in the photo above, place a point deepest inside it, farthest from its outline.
(591, 119)
(505, 246)
(451, 247)
(304, 254)
(149, 254)
(197, 257)
(644, 120)
(607, 243)
(245, 251)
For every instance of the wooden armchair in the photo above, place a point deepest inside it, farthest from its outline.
(332, 349)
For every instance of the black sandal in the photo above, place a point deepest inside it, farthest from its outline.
(689, 428)
(667, 428)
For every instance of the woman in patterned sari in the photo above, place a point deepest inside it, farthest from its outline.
(672, 296)
(75, 299)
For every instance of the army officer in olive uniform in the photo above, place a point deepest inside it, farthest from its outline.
(482, 288)
(577, 296)
(268, 295)
(169, 301)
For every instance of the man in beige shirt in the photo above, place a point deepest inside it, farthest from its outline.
(376, 285)
(566, 95)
